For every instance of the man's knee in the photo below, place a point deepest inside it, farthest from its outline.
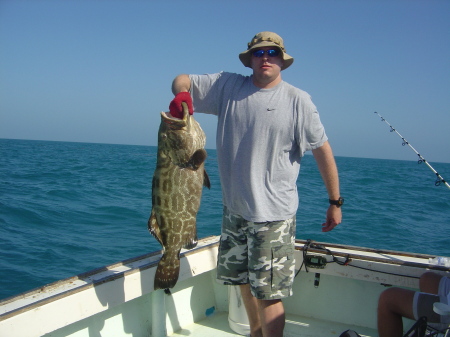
(429, 282)
(397, 301)
(385, 299)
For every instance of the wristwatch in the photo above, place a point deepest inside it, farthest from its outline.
(338, 203)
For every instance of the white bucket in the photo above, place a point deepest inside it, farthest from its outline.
(237, 316)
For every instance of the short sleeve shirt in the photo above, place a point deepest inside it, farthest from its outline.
(261, 136)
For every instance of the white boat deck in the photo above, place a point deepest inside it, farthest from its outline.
(296, 326)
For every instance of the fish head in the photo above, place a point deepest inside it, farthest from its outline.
(179, 138)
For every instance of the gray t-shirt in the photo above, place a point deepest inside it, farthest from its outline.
(261, 136)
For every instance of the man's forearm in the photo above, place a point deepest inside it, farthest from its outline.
(328, 170)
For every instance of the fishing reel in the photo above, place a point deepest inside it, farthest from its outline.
(315, 261)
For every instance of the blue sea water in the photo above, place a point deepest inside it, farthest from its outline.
(67, 208)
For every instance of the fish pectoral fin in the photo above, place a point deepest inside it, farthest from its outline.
(197, 159)
(153, 228)
(206, 181)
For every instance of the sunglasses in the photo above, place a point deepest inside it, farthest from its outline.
(270, 52)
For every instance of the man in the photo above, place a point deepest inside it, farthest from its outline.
(395, 303)
(264, 127)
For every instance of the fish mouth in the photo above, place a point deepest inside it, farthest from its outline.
(174, 122)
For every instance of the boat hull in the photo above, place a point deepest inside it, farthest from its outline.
(120, 300)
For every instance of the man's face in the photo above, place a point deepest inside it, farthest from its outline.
(266, 68)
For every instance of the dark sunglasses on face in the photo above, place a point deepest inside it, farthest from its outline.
(270, 52)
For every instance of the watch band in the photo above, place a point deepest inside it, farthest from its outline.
(338, 203)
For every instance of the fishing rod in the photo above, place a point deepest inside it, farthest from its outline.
(439, 179)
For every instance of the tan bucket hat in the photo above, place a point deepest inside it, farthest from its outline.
(265, 39)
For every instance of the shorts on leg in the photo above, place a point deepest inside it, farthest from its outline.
(232, 261)
(261, 254)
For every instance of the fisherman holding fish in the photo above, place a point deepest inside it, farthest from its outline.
(265, 126)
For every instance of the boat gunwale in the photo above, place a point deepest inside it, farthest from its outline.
(366, 249)
(95, 282)
(387, 255)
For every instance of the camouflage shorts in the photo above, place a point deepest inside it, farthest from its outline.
(259, 253)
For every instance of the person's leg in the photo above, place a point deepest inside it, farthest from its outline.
(271, 271)
(393, 304)
(272, 317)
(232, 264)
(429, 282)
(251, 306)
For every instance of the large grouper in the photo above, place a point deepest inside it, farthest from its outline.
(176, 191)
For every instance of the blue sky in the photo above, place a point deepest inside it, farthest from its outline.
(100, 71)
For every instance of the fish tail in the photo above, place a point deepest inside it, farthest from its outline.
(167, 272)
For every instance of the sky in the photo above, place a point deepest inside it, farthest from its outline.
(101, 71)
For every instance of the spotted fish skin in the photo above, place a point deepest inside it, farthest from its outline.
(176, 191)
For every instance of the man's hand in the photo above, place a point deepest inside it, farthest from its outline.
(334, 218)
(175, 107)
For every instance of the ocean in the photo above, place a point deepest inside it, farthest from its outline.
(67, 208)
